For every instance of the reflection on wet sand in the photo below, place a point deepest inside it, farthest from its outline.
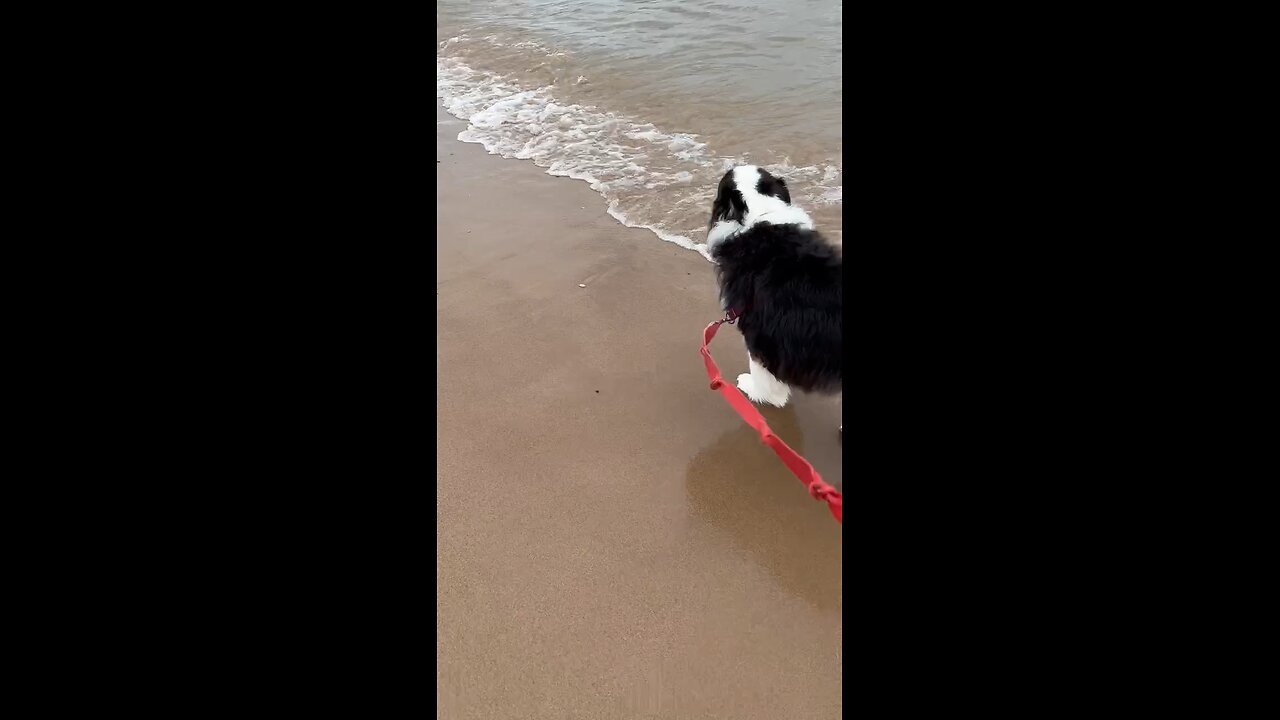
(767, 513)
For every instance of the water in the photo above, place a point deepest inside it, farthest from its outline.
(650, 101)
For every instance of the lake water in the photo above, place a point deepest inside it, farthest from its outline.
(650, 101)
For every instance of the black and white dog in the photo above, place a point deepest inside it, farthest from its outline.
(784, 279)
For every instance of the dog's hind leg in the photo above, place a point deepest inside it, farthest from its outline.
(761, 386)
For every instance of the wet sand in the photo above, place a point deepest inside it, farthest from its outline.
(613, 541)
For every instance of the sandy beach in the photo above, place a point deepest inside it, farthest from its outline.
(613, 541)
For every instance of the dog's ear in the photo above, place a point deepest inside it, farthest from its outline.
(783, 191)
(729, 203)
(773, 186)
(729, 206)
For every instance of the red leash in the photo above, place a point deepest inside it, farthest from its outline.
(796, 464)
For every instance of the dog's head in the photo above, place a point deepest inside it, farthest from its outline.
(748, 194)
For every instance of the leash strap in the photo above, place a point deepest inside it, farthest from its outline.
(794, 462)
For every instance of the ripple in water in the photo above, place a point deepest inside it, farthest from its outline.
(653, 148)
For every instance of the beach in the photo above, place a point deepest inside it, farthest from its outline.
(612, 540)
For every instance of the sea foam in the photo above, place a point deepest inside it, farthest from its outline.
(650, 178)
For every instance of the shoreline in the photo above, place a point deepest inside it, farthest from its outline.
(682, 241)
(612, 540)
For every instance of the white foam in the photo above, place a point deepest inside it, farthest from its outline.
(644, 134)
(681, 240)
(628, 161)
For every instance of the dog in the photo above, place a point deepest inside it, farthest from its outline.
(784, 279)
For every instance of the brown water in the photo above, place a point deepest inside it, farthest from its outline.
(650, 101)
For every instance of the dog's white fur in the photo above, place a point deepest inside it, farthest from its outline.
(720, 231)
(759, 208)
(759, 385)
(764, 207)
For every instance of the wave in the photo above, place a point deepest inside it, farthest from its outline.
(651, 178)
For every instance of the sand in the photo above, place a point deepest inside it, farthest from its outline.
(613, 541)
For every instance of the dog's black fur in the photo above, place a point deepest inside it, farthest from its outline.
(787, 282)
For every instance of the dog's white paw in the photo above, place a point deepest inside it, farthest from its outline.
(747, 385)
